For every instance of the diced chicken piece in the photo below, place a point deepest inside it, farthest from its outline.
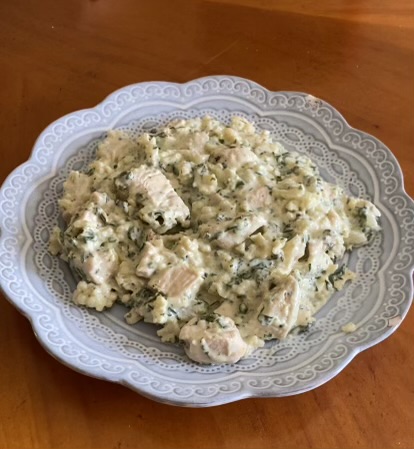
(100, 266)
(258, 198)
(179, 284)
(240, 229)
(163, 208)
(154, 257)
(95, 296)
(280, 308)
(77, 190)
(293, 250)
(213, 342)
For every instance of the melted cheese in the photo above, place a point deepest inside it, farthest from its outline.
(214, 232)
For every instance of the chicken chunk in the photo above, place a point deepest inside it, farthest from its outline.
(178, 283)
(213, 342)
(100, 266)
(162, 207)
(154, 257)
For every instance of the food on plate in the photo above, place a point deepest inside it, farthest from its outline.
(214, 232)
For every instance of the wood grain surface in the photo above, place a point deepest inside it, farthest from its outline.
(58, 56)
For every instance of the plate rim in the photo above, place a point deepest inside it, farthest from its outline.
(220, 399)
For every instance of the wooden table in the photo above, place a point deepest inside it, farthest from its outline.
(58, 56)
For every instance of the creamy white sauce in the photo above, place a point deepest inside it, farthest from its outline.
(214, 232)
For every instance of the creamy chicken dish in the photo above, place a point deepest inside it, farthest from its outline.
(215, 233)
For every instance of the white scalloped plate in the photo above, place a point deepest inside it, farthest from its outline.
(103, 346)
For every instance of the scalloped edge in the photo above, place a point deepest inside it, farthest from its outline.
(221, 398)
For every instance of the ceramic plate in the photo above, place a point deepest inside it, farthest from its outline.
(104, 346)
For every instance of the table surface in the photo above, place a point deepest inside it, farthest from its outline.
(59, 56)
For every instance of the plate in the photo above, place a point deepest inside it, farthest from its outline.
(102, 345)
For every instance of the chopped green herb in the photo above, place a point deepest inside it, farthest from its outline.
(337, 275)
